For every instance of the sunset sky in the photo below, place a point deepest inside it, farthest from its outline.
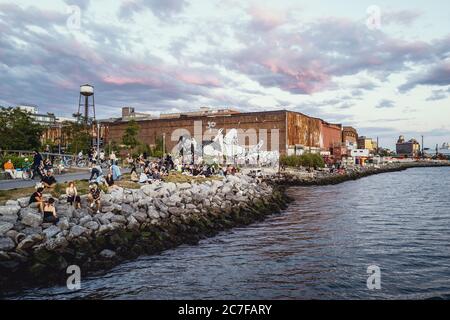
(320, 58)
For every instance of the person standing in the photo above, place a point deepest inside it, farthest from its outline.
(115, 170)
(96, 171)
(112, 158)
(37, 160)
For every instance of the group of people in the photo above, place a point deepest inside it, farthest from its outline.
(48, 209)
(146, 171)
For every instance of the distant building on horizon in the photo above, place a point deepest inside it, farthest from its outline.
(367, 143)
(410, 148)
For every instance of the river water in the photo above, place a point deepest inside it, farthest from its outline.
(319, 248)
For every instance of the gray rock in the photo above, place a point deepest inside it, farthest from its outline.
(119, 219)
(77, 231)
(176, 211)
(133, 224)
(6, 244)
(63, 224)
(152, 213)
(5, 227)
(92, 225)
(183, 186)
(191, 206)
(31, 230)
(11, 203)
(26, 243)
(51, 231)
(23, 202)
(107, 254)
(32, 219)
(140, 216)
(85, 220)
(9, 210)
(57, 243)
(171, 187)
(127, 209)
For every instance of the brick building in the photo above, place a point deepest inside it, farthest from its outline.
(282, 130)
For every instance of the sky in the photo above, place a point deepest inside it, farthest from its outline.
(380, 66)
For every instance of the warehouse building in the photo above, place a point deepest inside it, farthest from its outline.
(285, 131)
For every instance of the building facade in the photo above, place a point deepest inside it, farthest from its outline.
(284, 131)
(409, 148)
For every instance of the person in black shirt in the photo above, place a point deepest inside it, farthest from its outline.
(36, 197)
(49, 180)
(50, 215)
(37, 160)
(110, 181)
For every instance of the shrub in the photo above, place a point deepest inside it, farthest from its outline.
(310, 160)
(17, 161)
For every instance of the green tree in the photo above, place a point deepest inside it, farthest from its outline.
(158, 150)
(18, 131)
(130, 139)
(78, 136)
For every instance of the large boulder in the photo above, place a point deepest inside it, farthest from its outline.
(31, 218)
(127, 209)
(92, 225)
(119, 219)
(6, 244)
(51, 231)
(9, 213)
(5, 227)
(140, 216)
(23, 202)
(171, 187)
(183, 186)
(77, 231)
(12, 203)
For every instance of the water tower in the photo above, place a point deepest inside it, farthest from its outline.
(86, 92)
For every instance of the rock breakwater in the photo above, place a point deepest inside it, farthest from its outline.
(132, 222)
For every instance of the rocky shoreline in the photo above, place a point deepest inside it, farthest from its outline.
(148, 220)
(319, 178)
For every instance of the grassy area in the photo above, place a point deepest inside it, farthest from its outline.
(83, 186)
(177, 177)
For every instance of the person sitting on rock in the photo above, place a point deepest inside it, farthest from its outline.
(72, 195)
(110, 181)
(9, 168)
(94, 196)
(37, 198)
(49, 180)
(134, 177)
(50, 215)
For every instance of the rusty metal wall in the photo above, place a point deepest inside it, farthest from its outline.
(303, 130)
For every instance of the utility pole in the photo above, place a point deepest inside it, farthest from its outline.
(98, 139)
(423, 156)
(164, 144)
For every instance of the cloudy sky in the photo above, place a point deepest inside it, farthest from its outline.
(381, 66)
